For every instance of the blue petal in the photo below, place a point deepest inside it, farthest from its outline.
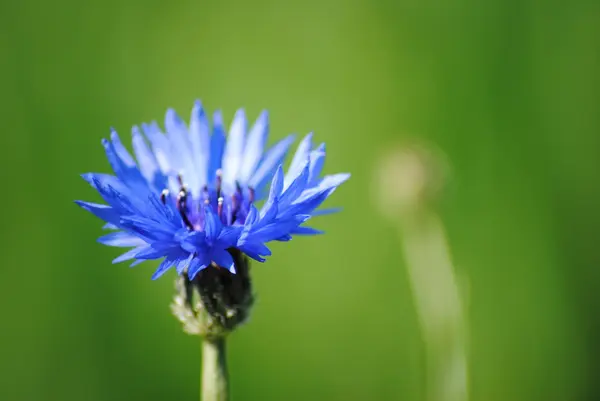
(252, 216)
(128, 255)
(125, 170)
(121, 239)
(234, 150)
(299, 159)
(195, 266)
(212, 224)
(147, 161)
(194, 242)
(121, 151)
(162, 268)
(306, 231)
(160, 146)
(183, 263)
(103, 212)
(273, 158)
(156, 251)
(255, 145)
(178, 135)
(228, 236)
(276, 187)
(200, 141)
(296, 187)
(331, 181)
(223, 258)
(217, 145)
(317, 161)
(257, 248)
(105, 180)
(323, 212)
(254, 256)
(307, 205)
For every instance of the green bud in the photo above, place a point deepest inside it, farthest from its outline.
(216, 301)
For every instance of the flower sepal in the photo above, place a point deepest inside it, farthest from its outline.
(216, 301)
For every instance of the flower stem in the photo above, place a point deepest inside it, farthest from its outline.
(215, 386)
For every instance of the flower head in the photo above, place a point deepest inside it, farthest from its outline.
(190, 196)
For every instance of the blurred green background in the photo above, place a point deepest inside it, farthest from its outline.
(508, 90)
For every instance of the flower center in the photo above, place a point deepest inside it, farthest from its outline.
(231, 207)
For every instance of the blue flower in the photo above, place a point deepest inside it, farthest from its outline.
(189, 197)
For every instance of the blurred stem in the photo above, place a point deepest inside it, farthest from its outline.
(215, 386)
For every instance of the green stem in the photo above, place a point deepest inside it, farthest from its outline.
(214, 370)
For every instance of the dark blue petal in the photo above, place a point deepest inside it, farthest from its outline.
(212, 224)
(228, 237)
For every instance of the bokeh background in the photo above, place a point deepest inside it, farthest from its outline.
(508, 91)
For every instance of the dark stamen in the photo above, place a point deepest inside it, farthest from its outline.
(219, 182)
(182, 207)
(251, 194)
(219, 207)
(163, 196)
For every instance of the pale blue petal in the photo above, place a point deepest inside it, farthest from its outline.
(253, 152)
(323, 212)
(274, 193)
(147, 162)
(200, 141)
(273, 158)
(328, 182)
(300, 157)
(234, 150)
(160, 146)
(183, 263)
(296, 187)
(181, 146)
(121, 151)
(306, 231)
(128, 255)
(121, 239)
(317, 161)
(217, 146)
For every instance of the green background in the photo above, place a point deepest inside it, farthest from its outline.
(508, 90)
